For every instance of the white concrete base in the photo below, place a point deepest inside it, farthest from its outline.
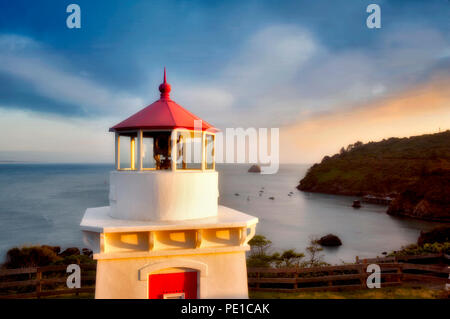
(98, 219)
(220, 275)
(163, 195)
(128, 251)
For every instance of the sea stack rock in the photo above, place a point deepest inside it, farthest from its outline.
(330, 240)
(255, 169)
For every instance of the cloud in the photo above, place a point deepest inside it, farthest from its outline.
(30, 136)
(22, 59)
(14, 43)
(270, 58)
(424, 108)
(277, 76)
(280, 76)
(207, 99)
(283, 73)
(256, 84)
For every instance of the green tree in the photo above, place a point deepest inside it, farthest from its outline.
(259, 245)
(313, 251)
(259, 255)
(30, 256)
(289, 258)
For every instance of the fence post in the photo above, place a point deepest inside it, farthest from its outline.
(38, 282)
(400, 271)
(296, 276)
(362, 275)
(257, 279)
(330, 282)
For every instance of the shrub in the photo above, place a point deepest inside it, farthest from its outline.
(259, 261)
(439, 234)
(75, 259)
(428, 248)
(30, 256)
(289, 258)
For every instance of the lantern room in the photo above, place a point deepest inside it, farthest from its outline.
(164, 136)
(164, 160)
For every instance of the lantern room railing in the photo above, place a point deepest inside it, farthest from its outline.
(170, 150)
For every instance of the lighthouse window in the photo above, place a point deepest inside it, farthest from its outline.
(148, 160)
(156, 150)
(189, 150)
(127, 151)
(161, 151)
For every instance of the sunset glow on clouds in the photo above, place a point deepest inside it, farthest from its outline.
(419, 110)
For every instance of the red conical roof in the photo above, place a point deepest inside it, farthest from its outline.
(162, 114)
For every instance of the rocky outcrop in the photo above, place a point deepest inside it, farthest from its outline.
(428, 198)
(254, 169)
(412, 170)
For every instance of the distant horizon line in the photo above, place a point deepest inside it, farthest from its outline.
(112, 163)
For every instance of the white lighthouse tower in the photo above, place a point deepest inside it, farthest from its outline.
(164, 234)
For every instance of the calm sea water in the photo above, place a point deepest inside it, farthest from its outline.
(44, 204)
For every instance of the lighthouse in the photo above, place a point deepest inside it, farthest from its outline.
(163, 235)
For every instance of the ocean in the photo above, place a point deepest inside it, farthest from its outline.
(44, 204)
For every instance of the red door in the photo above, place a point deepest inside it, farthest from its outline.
(173, 285)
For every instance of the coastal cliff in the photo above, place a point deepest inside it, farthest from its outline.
(428, 198)
(415, 170)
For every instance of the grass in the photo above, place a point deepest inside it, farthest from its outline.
(409, 292)
(83, 295)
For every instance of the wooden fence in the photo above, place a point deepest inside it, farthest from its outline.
(408, 259)
(341, 277)
(34, 282)
(17, 283)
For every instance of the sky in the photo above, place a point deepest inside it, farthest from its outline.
(313, 69)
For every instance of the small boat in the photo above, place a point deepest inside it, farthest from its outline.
(356, 204)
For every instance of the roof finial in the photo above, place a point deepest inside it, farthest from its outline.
(165, 88)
